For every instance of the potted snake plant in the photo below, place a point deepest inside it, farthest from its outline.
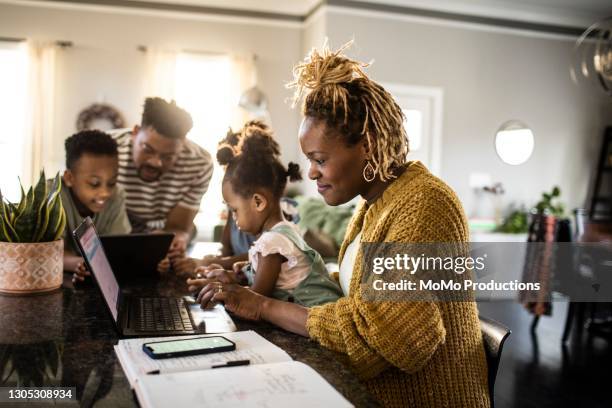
(31, 248)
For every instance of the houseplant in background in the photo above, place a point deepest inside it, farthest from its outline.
(31, 248)
(549, 203)
(517, 221)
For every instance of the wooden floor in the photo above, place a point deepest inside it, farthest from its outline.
(536, 371)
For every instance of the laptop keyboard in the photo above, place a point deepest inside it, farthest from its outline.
(162, 314)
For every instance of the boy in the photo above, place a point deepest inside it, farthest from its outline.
(89, 188)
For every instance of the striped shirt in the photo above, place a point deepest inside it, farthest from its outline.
(148, 203)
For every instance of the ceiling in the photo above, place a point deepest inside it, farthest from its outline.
(580, 13)
(570, 12)
(574, 14)
(292, 7)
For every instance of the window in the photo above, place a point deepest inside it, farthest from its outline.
(13, 106)
(206, 87)
(422, 107)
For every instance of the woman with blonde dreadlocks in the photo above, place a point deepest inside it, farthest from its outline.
(421, 354)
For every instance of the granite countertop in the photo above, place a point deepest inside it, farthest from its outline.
(66, 338)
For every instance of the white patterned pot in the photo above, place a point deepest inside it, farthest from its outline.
(31, 267)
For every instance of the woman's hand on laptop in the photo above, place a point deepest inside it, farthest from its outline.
(204, 277)
(241, 301)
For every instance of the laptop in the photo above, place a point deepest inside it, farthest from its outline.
(138, 316)
(135, 256)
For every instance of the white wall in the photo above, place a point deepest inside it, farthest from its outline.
(313, 35)
(105, 63)
(489, 77)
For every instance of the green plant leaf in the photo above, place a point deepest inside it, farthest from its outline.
(7, 230)
(12, 210)
(53, 211)
(56, 218)
(25, 223)
(25, 204)
(57, 184)
(22, 201)
(29, 197)
(44, 211)
(550, 202)
(43, 221)
(53, 217)
(60, 231)
(4, 236)
(40, 199)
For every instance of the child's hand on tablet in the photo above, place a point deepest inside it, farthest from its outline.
(80, 272)
(164, 265)
(185, 266)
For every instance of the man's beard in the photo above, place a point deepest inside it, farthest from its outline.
(153, 173)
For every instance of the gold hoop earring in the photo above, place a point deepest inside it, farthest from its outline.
(368, 172)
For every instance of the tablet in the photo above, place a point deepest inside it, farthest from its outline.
(136, 255)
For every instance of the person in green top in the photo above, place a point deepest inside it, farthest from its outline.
(89, 189)
(281, 265)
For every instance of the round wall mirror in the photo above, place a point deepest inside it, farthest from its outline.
(514, 142)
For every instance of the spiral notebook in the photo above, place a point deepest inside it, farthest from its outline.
(272, 378)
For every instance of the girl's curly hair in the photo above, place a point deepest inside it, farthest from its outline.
(252, 161)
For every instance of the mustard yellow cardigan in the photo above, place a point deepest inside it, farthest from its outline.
(415, 354)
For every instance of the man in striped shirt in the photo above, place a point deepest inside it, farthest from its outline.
(164, 174)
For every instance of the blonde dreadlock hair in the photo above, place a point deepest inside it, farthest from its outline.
(335, 89)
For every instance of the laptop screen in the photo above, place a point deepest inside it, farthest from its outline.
(93, 251)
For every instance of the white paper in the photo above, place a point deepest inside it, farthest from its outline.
(249, 346)
(289, 384)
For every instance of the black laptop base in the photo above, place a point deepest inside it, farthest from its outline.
(158, 316)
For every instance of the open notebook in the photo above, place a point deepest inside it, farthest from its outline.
(273, 378)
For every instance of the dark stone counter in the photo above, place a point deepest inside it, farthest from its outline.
(66, 339)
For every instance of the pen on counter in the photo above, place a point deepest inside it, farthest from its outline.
(235, 363)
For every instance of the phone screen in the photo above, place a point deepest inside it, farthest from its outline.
(200, 343)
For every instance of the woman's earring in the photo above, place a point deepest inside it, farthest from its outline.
(368, 172)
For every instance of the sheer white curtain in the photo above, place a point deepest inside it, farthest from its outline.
(40, 112)
(245, 76)
(208, 86)
(245, 71)
(13, 107)
(161, 73)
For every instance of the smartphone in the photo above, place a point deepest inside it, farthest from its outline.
(188, 347)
